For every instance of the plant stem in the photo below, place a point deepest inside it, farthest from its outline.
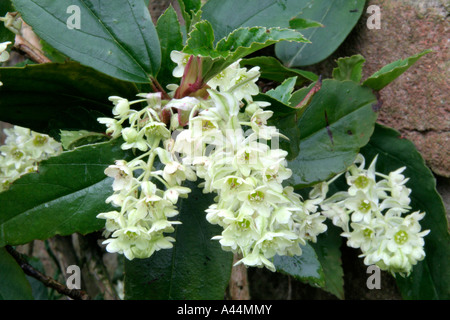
(75, 294)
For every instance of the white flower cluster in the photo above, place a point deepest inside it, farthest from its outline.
(372, 216)
(22, 152)
(259, 216)
(224, 139)
(228, 148)
(138, 229)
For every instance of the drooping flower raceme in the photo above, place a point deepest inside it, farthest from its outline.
(224, 139)
(145, 198)
(22, 152)
(374, 215)
(229, 151)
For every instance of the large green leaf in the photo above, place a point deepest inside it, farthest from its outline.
(430, 279)
(338, 121)
(195, 268)
(227, 16)
(58, 96)
(338, 17)
(13, 282)
(115, 37)
(63, 197)
(306, 268)
(392, 71)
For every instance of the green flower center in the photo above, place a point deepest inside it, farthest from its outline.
(361, 182)
(244, 224)
(131, 235)
(17, 154)
(364, 206)
(207, 125)
(401, 237)
(256, 196)
(39, 140)
(367, 233)
(233, 183)
(220, 75)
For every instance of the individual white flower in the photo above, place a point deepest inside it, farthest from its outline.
(133, 139)
(238, 81)
(121, 106)
(363, 235)
(338, 214)
(122, 174)
(172, 194)
(225, 79)
(360, 179)
(114, 128)
(175, 173)
(245, 85)
(4, 55)
(311, 225)
(405, 239)
(128, 241)
(41, 145)
(181, 59)
(114, 221)
(361, 206)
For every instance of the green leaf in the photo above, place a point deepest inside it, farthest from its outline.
(170, 38)
(430, 279)
(328, 252)
(300, 23)
(63, 197)
(272, 69)
(283, 92)
(58, 96)
(338, 121)
(349, 68)
(115, 37)
(13, 282)
(256, 38)
(189, 8)
(235, 46)
(196, 268)
(227, 16)
(392, 71)
(201, 40)
(305, 268)
(338, 16)
(73, 139)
